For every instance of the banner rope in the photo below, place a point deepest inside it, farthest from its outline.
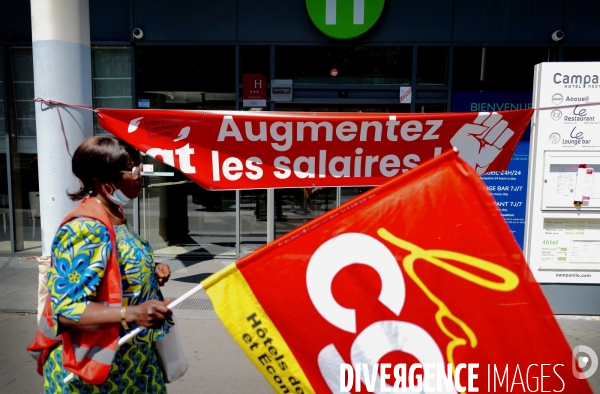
(567, 106)
(58, 104)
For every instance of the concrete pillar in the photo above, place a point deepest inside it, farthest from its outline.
(62, 72)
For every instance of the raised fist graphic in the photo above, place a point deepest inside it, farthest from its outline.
(482, 141)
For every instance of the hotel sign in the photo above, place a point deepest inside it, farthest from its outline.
(255, 90)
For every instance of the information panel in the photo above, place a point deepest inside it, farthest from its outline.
(509, 187)
(571, 244)
(562, 231)
(571, 181)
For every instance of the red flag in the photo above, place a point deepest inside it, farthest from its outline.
(253, 150)
(422, 270)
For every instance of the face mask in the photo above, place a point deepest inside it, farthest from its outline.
(118, 197)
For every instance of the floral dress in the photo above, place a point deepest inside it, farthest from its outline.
(79, 253)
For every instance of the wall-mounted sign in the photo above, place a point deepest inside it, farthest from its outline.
(344, 19)
(509, 188)
(255, 90)
(562, 242)
(281, 89)
(405, 94)
(143, 103)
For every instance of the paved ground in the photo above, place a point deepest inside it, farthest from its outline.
(217, 365)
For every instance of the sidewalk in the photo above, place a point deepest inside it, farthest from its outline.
(216, 362)
(19, 284)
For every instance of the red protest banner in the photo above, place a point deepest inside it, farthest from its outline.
(251, 150)
(420, 271)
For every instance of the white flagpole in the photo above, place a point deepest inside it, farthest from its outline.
(133, 333)
(172, 305)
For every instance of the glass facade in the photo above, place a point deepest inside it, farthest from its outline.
(111, 88)
(23, 151)
(354, 64)
(177, 216)
(111, 80)
(432, 65)
(5, 243)
(253, 203)
(487, 69)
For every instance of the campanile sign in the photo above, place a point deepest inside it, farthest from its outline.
(562, 240)
(344, 19)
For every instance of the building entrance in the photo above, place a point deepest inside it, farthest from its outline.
(177, 216)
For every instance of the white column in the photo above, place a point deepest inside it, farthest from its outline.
(62, 72)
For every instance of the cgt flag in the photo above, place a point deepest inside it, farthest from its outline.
(254, 150)
(414, 275)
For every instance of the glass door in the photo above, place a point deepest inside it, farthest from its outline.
(177, 216)
(5, 242)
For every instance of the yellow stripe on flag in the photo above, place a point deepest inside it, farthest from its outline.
(254, 332)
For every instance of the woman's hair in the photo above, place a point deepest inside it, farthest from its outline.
(101, 158)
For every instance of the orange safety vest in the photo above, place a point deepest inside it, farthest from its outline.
(88, 354)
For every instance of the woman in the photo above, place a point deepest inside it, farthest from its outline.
(103, 283)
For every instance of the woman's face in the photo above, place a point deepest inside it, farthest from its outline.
(131, 180)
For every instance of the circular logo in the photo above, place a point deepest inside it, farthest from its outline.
(586, 359)
(555, 138)
(333, 72)
(344, 19)
(557, 98)
(556, 114)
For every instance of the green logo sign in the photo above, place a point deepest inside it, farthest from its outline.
(344, 19)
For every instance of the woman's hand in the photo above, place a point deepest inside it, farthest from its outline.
(151, 313)
(163, 272)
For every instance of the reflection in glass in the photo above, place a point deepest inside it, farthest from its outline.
(178, 217)
(296, 206)
(253, 215)
(355, 64)
(348, 193)
(22, 81)
(212, 221)
(432, 66)
(111, 78)
(111, 87)
(485, 69)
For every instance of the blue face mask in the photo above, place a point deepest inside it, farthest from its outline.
(118, 197)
